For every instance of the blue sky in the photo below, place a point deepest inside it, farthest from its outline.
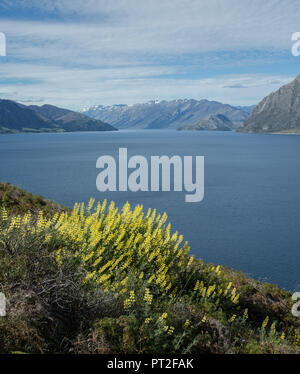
(77, 53)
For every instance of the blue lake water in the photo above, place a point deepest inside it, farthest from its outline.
(248, 220)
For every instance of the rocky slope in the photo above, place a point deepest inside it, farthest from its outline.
(211, 123)
(166, 114)
(279, 112)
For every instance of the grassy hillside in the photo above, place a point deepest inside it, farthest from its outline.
(19, 201)
(100, 280)
(16, 118)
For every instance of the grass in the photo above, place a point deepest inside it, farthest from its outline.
(19, 201)
(100, 280)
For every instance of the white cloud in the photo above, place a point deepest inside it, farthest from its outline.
(76, 88)
(103, 51)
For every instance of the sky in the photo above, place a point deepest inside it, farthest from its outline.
(78, 53)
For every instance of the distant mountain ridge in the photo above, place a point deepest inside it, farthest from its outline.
(16, 117)
(166, 114)
(213, 122)
(278, 112)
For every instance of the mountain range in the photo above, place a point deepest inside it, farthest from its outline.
(213, 122)
(166, 114)
(16, 117)
(278, 112)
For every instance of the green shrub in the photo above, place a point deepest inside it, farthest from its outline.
(108, 281)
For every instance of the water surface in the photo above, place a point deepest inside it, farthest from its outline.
(249, 219)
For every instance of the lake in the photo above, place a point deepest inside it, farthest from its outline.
(249, 219)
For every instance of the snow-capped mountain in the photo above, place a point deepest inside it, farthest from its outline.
(166, 114)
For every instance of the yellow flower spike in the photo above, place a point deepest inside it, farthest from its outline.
(103, 207)
(210, 290)
(265, 322)
(90, 204)
(90, 276)
(164, 218)
(127, 304)
(88, 257)
(153, 215)
(131, 294)
(104, 267)
(147, 296)
(273, 327)
(187, 323)
(104, 278)
(97, 261)
(150, 280)
(4, 214)
(163, 317)
(124, 281)
(47, 238)
(26, 218)
(218, 271)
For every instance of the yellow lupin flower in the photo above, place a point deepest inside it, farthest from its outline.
(273, 327)
(265, 322)
(147, 296)
(190, 261)
(186, 323)
(163, 316)
(111, 246)
(90, 204)
(4, 214)
(141, 276)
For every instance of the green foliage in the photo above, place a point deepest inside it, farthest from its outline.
(107, 281)
(18, 201)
